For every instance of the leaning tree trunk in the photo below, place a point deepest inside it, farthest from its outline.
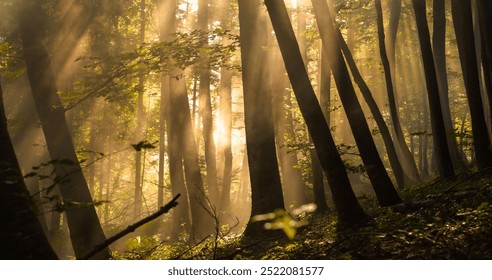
(388, 61)
(266, 188)
(22, 234)
(380, 180)
(85, 229)
(441, 149)
(346, 204)
(316, 169)
(463, 25)
(401, 176)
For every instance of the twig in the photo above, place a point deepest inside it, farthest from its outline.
(131, 228)
(191, 248)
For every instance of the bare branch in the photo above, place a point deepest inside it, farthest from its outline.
(131, 228)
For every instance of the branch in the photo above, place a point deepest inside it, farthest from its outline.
(131, 228)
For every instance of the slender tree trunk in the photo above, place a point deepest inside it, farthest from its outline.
(441, 149)
(225, 112)
(394, 21)
(137, 210)
(346, 204)
(400, 175)
(380, 180)
(85, 229)
(389, 74)
(201, 221)
(463, 25)
(425, 139)
(162, 139)
(266, 188)
(293, 185)
(226, 115)
(439, 50)
(206, 111)
(181, 217)
(317, 170)
(484, 9)
(324, 96)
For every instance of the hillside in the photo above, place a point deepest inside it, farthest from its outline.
(441, 220)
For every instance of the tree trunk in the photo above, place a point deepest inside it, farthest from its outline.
(441, 149)
(85, 229)
(484, 9)
(266, 188)
(293, 185)
(380, 180)
(401, 176)
(439, 50)
(137, 207)
(389, 74)
(346, 204)
(394, 21)
(463, 25)
(324, 96)
(22, 234)
(206, 110)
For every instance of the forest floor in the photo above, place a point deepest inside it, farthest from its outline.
(449, 219)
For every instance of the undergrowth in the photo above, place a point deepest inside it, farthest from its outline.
(443, 219)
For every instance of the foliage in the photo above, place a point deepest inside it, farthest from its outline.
(10, 61)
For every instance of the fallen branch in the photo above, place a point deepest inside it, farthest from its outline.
(131, 228)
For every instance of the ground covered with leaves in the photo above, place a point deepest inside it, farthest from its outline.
(450, 219)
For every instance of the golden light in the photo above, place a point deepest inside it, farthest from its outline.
(193, 4)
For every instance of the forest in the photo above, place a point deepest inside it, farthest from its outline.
(245, 129)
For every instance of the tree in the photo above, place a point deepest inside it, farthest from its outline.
(140, 119)
(22, 234)
(206, 108)
(463, 25)
(225, 111)
(388, 60)
(380, 180)
(441, 149)
(439, 51)
(183, 153)
(346, 204)
(266, 188)
(400, 174)
(85, 229)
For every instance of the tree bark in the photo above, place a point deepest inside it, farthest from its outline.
(441, 149)
(346, 204)
(206, 110)
(400, 175)
(439, 50)
(293, 185)
(383, 187)
(137, 207)
(85, 229)
(22, 234)
(463, 25)
(389, 74)
(266, 188)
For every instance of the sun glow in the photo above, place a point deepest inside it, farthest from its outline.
(192, 4)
